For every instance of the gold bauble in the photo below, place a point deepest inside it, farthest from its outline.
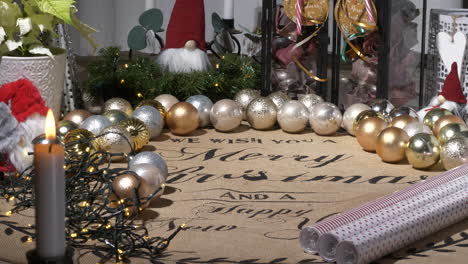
(63, 127)
(364, 115)
(124, 187)
(450, 131)
(167, 101)
(182, 118)
(138, 130)
(118, 104)
(155, 104)
(368, 130)
(115, 116)
(423, 151)
(445, 120)
(391, 144)
(77, 142)
(433, 115)
(77, 116)
(402, 121)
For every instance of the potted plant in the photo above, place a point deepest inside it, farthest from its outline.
(27, 30)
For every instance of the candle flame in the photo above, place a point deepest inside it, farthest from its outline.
(50, 125)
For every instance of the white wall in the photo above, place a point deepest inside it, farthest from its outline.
(115, 18)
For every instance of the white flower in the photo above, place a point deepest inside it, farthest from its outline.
(41, 27)
(24, 24)
(42, 51)
(12, 45)
(2, 35)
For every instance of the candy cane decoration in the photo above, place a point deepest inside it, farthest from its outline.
(299, 5)
(370, 11)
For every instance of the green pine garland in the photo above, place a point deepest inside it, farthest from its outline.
(142, 78)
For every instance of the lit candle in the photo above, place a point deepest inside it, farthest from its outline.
(49, 183)
(149, 4)
(228, 9)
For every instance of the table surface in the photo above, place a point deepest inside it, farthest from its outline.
(245, 195)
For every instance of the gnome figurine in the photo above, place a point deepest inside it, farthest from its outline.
(451, 97)
(185, 38)
(22, 118)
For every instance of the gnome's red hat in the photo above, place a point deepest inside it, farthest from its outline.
(24, 99)
(187, 23)
(452, 90)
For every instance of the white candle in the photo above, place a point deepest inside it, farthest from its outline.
(228, 9)
(149, 4)
(49, 183)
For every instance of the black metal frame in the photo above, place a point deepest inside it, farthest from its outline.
(267, 38)
(383, 69)
(384, 12)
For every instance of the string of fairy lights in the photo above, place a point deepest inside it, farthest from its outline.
(95, 211)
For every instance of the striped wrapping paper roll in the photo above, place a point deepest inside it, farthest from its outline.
(329, 241)
(309, 235)
(401, 231)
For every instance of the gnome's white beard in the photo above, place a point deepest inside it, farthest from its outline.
(28, 130)
(184, 60)
(449, 105)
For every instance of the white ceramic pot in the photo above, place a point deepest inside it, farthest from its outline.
(47, 74)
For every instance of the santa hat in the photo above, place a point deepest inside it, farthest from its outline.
(452, 90)
(21, 122)
(187, 23)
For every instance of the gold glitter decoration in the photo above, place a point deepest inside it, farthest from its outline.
(77, 142)
(138, 130)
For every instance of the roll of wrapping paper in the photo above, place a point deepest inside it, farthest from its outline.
(309, 235)
(401, 231)
(329, 241)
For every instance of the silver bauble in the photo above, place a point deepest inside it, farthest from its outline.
(203, 104)
(244, 97)
(152, 119)
(382, 106)
(350, 115)
(454, 153)
(95, 124)
(149, 157)
(63, 127)
(150, 173)
(403, 110)
(279, 99)
(226, 115)
(115, 139)
(293, 117)
(310, 100)
(282, 74)
(261, 113)
(415, 128)
(167, 100)
(325, 119)
(118, 104)
(115, 116)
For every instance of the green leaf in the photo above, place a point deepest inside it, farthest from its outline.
(46, 20)
(58, 8)
(217, 23)
(84, 29)
(152, 19)
(9, 13)
(137, 38)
